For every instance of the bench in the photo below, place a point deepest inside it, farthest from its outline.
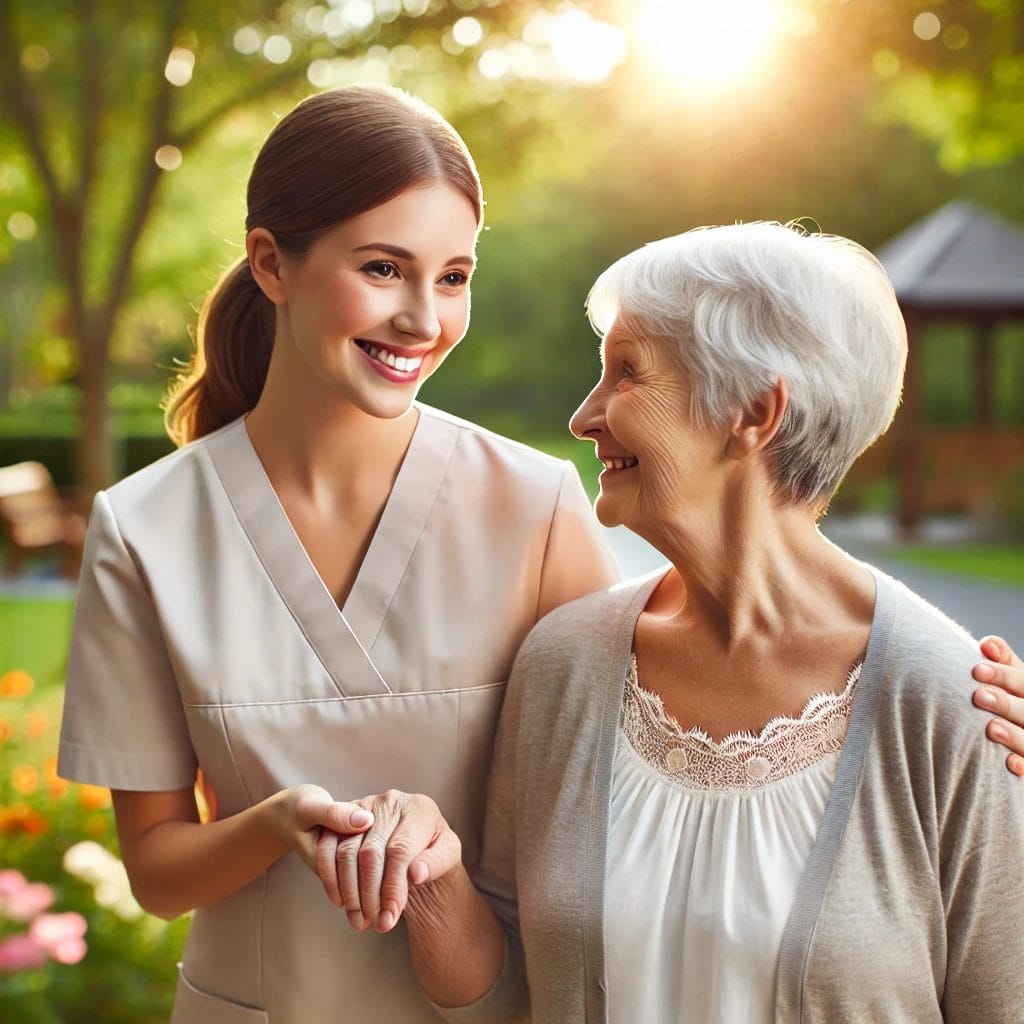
(35, 518)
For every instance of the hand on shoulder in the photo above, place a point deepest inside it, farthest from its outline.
(1002, 693)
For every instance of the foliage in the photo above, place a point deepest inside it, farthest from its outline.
(60, 835)
(962, 85)
(993, 563)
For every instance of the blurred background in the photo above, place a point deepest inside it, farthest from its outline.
(126, 135)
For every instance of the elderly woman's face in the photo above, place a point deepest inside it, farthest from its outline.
(659, 466)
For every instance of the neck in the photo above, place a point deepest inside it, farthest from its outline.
(309, 438)
(753, 571)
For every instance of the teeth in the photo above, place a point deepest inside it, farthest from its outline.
(400, 363)
(619, 463)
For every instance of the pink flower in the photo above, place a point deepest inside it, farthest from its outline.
(21, 953)
(60, 935)
(11, 881)
(27, 902)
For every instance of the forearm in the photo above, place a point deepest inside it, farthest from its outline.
(456, 941)
(178, 865)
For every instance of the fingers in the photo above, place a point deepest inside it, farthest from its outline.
(326, 865)
(372, 870)
(385, 856)
(347, 866)
(996, 649)
(437, 859)
(338, 815)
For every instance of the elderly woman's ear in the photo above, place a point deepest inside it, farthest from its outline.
(755, 425)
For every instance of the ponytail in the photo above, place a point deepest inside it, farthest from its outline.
(234, 340)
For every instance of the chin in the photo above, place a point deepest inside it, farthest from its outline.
(608, 514)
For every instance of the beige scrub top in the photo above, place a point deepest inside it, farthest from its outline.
(204, 637)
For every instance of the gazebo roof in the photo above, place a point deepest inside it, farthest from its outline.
(960, 259)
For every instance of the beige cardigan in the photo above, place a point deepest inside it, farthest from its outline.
(911, 908)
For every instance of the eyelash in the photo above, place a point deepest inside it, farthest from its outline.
(377, 267)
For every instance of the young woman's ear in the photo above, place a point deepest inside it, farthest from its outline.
(265, 263)
(755, 426)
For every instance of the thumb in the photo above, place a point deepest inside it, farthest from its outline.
(436, 860)
(346, 818)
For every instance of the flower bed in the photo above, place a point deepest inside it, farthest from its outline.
(74, 944)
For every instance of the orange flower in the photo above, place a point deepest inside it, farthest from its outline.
(93, 797)
(22, 818)
(38, 723)
(25, 779)
(58, 786)
(16, 683)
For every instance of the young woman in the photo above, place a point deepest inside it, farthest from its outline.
(321, 594)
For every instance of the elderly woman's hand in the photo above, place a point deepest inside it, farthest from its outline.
(369, 874)
(1003, 694)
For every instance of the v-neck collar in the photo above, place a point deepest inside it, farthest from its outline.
(341, 638)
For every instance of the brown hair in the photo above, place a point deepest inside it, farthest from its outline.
(335, 155)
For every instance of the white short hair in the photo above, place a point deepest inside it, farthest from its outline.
(746, 304)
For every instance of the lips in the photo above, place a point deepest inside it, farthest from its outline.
(387, 357)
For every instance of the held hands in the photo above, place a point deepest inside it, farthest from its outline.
(1003, 695)
(304, 812)
(370, 874)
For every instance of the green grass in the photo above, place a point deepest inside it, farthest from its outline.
(995, 563)
(34, 635)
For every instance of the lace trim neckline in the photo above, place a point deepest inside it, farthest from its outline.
(741, 760)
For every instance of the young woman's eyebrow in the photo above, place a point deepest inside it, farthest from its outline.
(404, 254)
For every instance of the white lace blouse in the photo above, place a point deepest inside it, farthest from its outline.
(706, 845)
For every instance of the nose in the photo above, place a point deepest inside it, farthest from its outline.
(588, 420)
(418, 316)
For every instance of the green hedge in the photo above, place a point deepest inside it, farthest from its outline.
(59, 454)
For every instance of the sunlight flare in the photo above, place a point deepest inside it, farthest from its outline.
(707, 44)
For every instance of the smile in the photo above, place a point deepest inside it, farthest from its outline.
(402, 364)
(619, 463)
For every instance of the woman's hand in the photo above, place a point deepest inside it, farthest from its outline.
(369, 874)
(304, 812)
(1003, 695)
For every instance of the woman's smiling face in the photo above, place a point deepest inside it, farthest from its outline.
(378, 302)
(658, 463)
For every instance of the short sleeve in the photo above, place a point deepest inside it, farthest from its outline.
(578, 559)
(124, 725)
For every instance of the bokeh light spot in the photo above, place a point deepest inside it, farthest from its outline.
(359, 14)
(886, 64)
(168, 158)
(277, 49)
(467, 31)
(956, 37)
(313, 20)
(321, 74)
(927, 25)
(21, 226)
(247, 40)
(179, 67)
(494, 63)
(35, 57)
(388, 10)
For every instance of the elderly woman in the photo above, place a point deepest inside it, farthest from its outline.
(746, 788)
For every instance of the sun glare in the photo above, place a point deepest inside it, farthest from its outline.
(707, 44)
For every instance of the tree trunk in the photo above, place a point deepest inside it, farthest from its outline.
(95, 445)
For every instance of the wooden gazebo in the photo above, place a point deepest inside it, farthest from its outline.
(964, 264)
